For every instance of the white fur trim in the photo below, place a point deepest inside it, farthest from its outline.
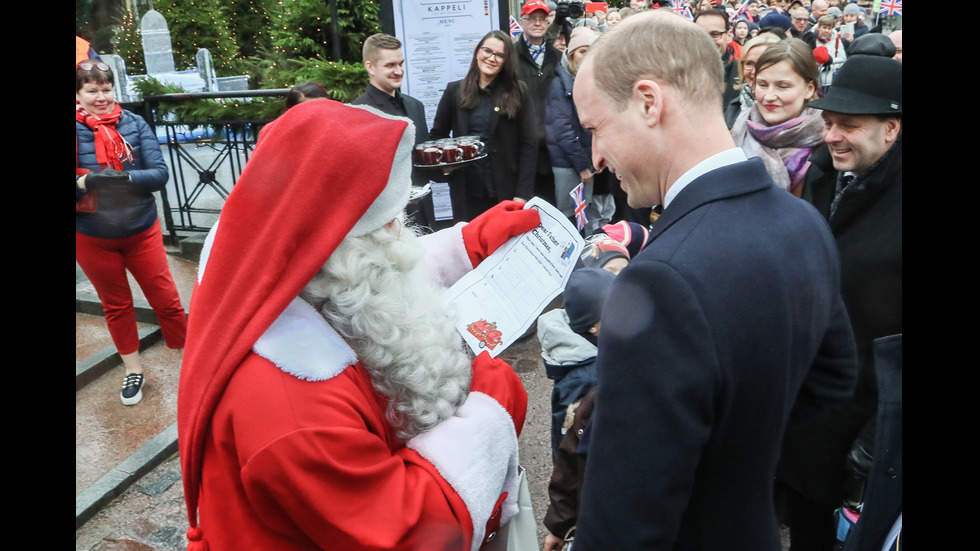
(445, 255)
(476, 452)
(301, 343)
(206, 250)
(394, 197)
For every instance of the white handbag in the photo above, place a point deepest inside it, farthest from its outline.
(521, 533)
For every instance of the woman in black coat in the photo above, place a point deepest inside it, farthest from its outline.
(490, 102)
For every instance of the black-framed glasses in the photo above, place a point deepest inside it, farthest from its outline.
(717, 34)
(88, 66)
(499, 56)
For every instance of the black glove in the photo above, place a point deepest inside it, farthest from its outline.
(106, 178)
(860, 460)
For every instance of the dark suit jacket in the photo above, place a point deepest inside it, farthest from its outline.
(867, 226)
(730, 311)
(512, 147)
(883, 496)
(414, 110)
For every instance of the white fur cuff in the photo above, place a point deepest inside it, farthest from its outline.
(445, 255)
(475, 451)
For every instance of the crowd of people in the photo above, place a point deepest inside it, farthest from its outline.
(726, 355)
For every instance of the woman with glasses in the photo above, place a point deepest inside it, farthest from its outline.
(490, 102)
(118, 168)
(745, 96)
(780, 127)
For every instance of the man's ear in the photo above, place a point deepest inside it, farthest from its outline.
(892, 128)
(649, 95)
(594, 330)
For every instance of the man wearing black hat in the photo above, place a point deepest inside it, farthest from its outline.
(856, 183)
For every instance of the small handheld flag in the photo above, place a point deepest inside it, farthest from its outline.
(739, 12)
(681, 9)
(891, 7)
(515, 28)
(578, 197)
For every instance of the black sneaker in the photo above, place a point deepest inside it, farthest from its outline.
(132, 389)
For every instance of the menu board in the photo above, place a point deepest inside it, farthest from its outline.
(438, 39)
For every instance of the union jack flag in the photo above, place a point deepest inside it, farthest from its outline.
(681, 9)
(891, 7)
(515, 28)
(578, 196)
(741, 9)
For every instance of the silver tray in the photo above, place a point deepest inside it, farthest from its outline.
(450, 165)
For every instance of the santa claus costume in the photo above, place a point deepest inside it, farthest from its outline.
(286, 441)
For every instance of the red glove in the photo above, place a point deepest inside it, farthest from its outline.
(495, 378)
(488, 231)
(821, 54)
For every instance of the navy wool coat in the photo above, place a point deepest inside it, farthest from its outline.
(730, 311)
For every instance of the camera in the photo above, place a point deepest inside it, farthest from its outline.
(570, 10)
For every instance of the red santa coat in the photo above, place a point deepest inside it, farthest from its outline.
(294, 463)
(283, 440)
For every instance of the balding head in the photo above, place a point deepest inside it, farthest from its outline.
(896, 38)
(819, 8)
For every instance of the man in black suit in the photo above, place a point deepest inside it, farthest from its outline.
(710, 334)
(385, 64)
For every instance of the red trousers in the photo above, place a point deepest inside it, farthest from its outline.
(105, 262)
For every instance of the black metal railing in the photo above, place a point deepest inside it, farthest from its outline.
(205, 159)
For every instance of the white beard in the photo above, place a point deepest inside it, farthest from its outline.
(374, 291)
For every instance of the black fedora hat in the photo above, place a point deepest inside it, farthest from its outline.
(871, 44)
(865, 85)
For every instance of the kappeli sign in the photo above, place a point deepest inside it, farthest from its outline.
(446, 8)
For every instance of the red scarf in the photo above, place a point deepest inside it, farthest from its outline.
(111, 149)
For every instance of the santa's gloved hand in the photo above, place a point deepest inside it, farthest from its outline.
(493, 228)
(495, 378)
(108, 177)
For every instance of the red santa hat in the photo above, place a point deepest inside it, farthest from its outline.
(321, 172)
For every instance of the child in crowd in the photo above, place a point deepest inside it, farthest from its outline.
(573, 368)
(568, 343)
(612, 246)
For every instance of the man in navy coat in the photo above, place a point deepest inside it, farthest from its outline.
(728, 323)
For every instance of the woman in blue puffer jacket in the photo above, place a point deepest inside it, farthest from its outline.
(569, 145)
(118, 168)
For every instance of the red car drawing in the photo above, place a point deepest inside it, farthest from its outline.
(485, 332)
